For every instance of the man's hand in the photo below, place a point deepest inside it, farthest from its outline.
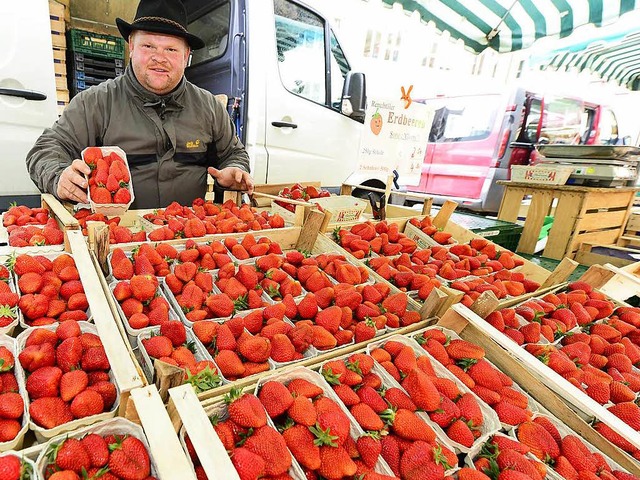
(72, 184)
(232, 178)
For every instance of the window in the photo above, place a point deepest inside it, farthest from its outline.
(300, 44)
(531, 121)
(463, 119)
(213, 29)
(561, 121)
(301, 40)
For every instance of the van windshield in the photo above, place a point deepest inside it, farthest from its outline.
(562, 121)
(462, 119)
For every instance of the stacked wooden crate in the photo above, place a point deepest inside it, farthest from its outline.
(59, 13)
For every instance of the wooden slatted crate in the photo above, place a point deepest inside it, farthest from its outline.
(57, 16)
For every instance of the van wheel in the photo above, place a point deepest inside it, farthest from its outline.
(364, 194)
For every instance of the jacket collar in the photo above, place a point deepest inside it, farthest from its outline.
(151, 99)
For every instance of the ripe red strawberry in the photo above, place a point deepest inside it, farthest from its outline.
(511, 414)
(409, 426)
(335, 423)
(335, 463)
(11, 406)
(418, 462)
(245, 409)
(399, 399)
(72, 383)
(94, 358)
(87, 403)
(462, 350)
(628, 412)
(269, 444)
(471, 474)
(302, 387)
(460, 433)
(174, 330)
(275, 398)
(247, 464)
(539, 441)
(302, 411)
(97, 449)
(422, 390)
(369, 447)
(300, 441)
(71, 455)
(11, 468)
(366, 417)
(44, 382)
(347, 395)
(49, 412)
(577, 454)
(129, 458)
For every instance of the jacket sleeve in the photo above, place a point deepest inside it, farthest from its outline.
(229, 148)
(59, 145)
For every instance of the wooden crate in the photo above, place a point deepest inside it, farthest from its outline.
(57, 18)
(586, 256)
(583, 215)
(624, 284)
(544, 385)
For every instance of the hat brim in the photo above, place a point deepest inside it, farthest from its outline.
(126, 28)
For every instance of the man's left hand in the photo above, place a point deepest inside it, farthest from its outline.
(232, 178)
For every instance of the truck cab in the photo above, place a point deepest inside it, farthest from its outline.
(296, 104)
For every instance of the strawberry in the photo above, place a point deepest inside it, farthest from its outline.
(460, 432)
(49, 412)
(335, 463)
(467, 473)
(417, 462)
(462, 350)
(97, 449)
(11, 468)
(410, 426)
(11, 406)
(628, 412)
(87, 403)
(422, 390)
(44, 382)
(270, 446)
(248, 465)
(366, 417)
(369, 447)
(72, 383)
(71, 455)
(245, 409)
(175, 331)
(302, 387)
(564, 467)
(511, 460)
(539, 441)
(275, 398)
(300, 441)
(220, 305)
(577, 454)
(302, 411)
(129, 458)
(94, 358)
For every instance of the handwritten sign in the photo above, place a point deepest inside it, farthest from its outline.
(395, 138)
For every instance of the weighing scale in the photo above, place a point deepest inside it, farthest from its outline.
(595, 165)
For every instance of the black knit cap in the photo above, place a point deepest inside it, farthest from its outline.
(168, 17)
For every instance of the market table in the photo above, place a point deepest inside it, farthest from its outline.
(582, 214)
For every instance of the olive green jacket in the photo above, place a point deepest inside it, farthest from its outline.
(169, 140)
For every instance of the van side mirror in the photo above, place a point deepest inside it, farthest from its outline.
(354, 96)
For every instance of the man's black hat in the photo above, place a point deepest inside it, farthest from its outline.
(168, 17)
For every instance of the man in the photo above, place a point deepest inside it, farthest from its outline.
(172, 131)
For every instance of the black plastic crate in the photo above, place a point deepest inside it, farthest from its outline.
(81, 65)
(505, 234)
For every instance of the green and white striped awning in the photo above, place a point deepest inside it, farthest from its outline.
(509, 25)
(613, 59)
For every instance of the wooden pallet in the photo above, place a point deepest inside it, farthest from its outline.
(543, 384)
(57, 18)
(583, 215)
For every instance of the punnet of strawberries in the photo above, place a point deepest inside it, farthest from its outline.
(381, 238)
(12, 406)
(92, 456)
(110, 179)
(257, 450)
(207, 218)
(67, 373)
(390, 418)
(31, 227)
(302, 193)
(467, 362)
(454, 409)
(13, 466)
(50, 289)
(117, 232)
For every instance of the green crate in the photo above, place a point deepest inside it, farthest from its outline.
(505, 234)
(96, 44)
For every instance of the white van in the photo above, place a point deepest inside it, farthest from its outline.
(28, 102)
(297, 106)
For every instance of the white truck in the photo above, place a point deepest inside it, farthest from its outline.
(298, 107)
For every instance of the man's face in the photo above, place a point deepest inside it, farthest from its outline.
(158, 60)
